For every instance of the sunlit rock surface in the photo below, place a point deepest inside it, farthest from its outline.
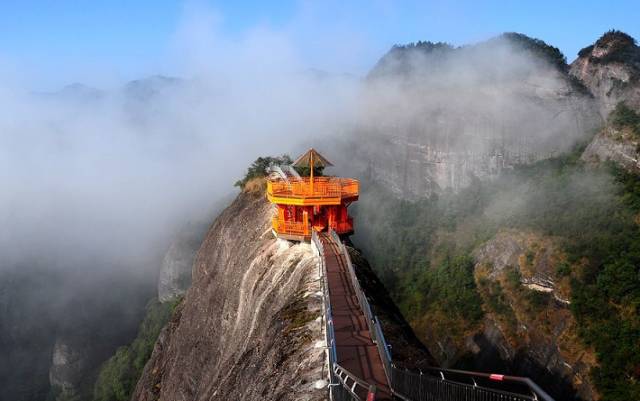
(524, 281)
(610, 68)
(250, 324)
(175, 273)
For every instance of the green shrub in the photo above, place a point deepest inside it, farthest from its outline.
(258, 168)
(592, 213)
(625, 117)
(621, 48)
(118, 376)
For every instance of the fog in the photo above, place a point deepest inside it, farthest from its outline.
(98, 179)
(478, 97)
(111, 173)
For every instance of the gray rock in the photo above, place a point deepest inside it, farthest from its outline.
(610, 144)
(68, 366)
(175, 273)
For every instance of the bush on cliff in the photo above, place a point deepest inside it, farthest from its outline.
(625, 117)
(258, 169)
(594, 215)
(118, 376)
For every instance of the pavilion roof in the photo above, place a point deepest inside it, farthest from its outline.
(318, 159)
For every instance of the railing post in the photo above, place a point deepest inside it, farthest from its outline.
(371, 395)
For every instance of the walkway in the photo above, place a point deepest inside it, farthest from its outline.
(355, 348)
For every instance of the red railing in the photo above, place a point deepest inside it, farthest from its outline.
(290, 227)
(329, 187)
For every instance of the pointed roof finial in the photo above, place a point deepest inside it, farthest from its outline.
(311, 154)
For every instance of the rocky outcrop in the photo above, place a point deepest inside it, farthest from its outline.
(523, 279)
(617, 145)
(175, 273)
(610, 68)
(69, 365)
(250, 325)
(436, 117)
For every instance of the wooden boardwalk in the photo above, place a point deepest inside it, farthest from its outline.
(355, 348)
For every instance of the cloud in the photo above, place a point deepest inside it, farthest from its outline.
(110, 175)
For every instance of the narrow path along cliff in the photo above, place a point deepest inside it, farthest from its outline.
(250, 327)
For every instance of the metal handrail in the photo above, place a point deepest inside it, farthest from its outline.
(329, 332)
(365, 306)
(389, 368)
(344, 376)
(538, 392)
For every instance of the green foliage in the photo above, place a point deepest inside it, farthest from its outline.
(119, 375)
(563, 269)
(537, 300)
(514, 277)
(592, 212)
(259, 167)
(585, 51)
(625, 117)
(539, 48)
(424, 46)
(497, 301)
(451, 288)
(318, 171)
(621, 48)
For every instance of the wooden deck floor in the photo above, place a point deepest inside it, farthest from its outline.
(356, 350)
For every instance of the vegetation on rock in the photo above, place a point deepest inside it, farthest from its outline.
(625, 117)
(119, 375)
(538, 48)
(620, 47)
(258, 169)
(593, 213)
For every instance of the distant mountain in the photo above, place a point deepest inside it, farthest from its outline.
(610, 68)
(437, 116)
(75, 92)
(146, 88)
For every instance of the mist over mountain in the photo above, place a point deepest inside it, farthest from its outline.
(469, 157)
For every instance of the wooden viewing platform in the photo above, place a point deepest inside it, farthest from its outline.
(324, 191)
(304, 204)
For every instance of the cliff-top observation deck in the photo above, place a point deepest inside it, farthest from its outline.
(310, 203)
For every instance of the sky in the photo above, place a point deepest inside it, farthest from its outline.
(48, 44)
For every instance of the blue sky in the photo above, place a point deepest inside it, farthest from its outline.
(52, 42)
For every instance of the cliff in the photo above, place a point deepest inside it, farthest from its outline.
(175, 272)
(249, 326)
(435, 117)
(610, 68)
(524, 281)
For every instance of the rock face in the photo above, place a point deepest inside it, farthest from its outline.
(249, 326)
(436, 117)
(69, 365)
(610, 68)
(175, 273)
(617, 145)
(523, 279)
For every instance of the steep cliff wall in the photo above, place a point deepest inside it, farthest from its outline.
(618, 145)
(436, 117)
(250, 325)
(523, 279)
(610, 68)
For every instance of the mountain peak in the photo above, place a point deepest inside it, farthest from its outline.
(612, 46)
